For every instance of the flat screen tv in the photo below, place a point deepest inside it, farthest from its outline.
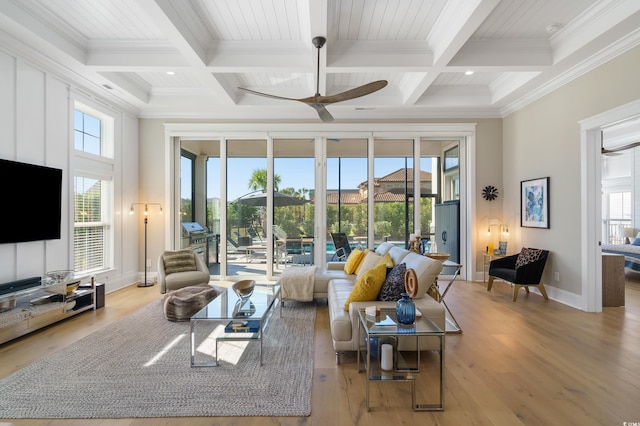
(32, 201)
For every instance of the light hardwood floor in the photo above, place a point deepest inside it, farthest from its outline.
(530, 362)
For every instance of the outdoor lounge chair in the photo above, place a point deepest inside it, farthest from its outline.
(341, 243)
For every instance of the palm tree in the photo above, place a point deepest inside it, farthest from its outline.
(258, 180)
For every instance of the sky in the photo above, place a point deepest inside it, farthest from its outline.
(294, 173)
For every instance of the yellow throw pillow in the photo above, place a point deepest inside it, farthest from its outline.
(353, 261)
(368, 286)
(387, 261)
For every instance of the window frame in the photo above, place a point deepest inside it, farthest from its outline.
(88, 165)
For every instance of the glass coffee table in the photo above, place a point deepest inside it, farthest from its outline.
(385, 328)
(234, 320)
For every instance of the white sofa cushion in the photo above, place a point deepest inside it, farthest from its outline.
(396, 253)
(384, 248)
(370, 260)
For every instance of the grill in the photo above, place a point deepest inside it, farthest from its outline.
(196, 236)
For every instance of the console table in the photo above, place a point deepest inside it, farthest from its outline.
(32, 308)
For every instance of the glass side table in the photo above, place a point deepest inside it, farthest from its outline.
(386, 326)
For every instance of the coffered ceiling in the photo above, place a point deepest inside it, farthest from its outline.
(186, 58)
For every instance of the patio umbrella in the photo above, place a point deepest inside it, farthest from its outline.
(259, 199)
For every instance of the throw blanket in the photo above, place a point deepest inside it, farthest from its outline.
(630, 252)
(297, 283)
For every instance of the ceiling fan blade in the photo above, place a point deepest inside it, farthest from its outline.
(616, 151)
(317, 101)
(353, 93)
(322, 112)
(266, 95)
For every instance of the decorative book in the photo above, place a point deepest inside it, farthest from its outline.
(252, 326)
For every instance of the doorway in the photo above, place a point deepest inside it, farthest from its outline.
(591, 143)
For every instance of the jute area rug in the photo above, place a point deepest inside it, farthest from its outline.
(140, 367)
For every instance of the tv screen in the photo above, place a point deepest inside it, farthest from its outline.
(32, 198)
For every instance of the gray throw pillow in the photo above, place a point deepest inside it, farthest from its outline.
(179, 261)
(393, 285)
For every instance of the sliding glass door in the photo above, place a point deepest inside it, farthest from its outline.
(363, 186)
(246, 207)
(293, 211)
(346, 194)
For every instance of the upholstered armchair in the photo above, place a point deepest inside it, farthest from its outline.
(522, 270)
(181, 268)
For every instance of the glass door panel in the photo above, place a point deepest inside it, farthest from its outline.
(393, 196)
(430, 152)
(347, 208)
(213, 209)
(293, 217)
(246, 207)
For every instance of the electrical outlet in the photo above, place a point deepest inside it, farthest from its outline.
(148, 263)
(556, 276)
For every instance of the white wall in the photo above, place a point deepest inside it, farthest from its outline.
(543, 139)
(36, 118)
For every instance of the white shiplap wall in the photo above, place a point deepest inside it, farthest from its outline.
(36, 118)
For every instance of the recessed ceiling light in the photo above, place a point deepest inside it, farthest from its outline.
(553, 28)
(468, 72)
(171, 72)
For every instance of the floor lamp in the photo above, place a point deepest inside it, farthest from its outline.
(145, 283)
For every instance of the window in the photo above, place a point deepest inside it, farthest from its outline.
(92, 190)
(92, 224)
(451, 160)
(87, 133)
(451, 174)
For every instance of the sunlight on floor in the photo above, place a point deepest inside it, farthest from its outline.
(230, 350)
(165, 350)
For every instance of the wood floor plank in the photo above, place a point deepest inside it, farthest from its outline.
(530, 362)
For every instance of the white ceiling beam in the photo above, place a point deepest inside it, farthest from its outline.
(178, 32)
(455, 26)
(133, 55)
(503, 52)
(603, 17)
(124, 84)
(449, 96)
(508, 84)
(18, 20)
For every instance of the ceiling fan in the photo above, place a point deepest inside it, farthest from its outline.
(317, 101)
(617, 151)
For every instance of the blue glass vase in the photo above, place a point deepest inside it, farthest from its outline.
(405, 310)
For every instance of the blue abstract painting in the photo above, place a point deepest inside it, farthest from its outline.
(535, 204)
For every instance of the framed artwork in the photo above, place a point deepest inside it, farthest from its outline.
(534, 199)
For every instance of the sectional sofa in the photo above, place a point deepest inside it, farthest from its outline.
(334, 284)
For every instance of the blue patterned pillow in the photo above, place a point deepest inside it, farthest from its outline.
(393, 285)
(636, 242)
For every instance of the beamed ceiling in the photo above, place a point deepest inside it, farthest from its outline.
(186, 58)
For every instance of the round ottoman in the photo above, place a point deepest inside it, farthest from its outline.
(181, 304)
